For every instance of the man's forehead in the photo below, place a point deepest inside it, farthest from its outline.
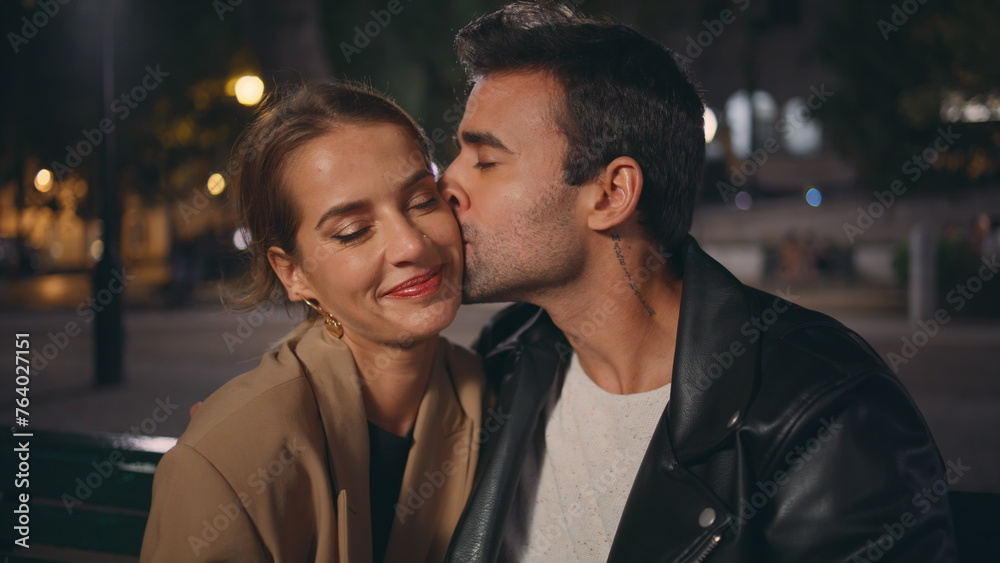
(514, 99)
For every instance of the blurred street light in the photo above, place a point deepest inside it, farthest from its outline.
(242, 238)
(97, 249)
(43, 180)
(814, 197)
(249, 89)
(216, 184)
(744, 201)
(711, 124)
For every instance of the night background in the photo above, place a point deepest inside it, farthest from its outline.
(853, 163)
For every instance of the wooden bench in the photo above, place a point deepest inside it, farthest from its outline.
(90, 496)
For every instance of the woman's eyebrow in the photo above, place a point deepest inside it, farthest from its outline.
(352, 206)
(343, 209)
(414, 178)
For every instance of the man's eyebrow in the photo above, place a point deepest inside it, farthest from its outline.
(484, 138)
(352, 206)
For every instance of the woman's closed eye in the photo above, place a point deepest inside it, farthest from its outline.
(485, 165)
(351, 233)
(426, 200)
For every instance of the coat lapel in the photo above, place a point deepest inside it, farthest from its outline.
(441, 464)
(330, 368)
(440, 468)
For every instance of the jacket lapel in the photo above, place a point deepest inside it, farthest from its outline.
(330, 368)
(442, 461)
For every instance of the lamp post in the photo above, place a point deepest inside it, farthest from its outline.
(109, 335)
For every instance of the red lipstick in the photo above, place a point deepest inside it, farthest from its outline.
(420, 286)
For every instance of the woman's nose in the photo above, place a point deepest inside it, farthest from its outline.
(407, 244)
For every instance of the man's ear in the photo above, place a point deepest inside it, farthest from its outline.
(289, 273)
(616, 195)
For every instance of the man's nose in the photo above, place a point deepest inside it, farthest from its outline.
(453, 192)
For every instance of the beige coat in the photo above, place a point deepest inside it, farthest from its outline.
(274, 466)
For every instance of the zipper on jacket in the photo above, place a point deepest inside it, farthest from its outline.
(713, 542)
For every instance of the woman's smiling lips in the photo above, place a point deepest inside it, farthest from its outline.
(419, 286)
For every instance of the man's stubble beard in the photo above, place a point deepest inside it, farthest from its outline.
(527, 260)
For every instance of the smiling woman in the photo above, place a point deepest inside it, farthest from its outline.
(306, 457)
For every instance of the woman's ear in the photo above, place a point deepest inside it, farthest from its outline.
(616, 194)
(289, 273)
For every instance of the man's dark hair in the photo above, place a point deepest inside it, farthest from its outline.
(625, 95)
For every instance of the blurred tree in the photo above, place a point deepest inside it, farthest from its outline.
(898, 61)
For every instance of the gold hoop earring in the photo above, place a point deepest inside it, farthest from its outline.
(332, 324)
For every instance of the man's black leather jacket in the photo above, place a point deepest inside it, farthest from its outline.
(786, 439)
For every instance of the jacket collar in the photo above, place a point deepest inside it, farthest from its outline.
(716, 358)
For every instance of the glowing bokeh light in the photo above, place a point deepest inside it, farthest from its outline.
(814, 197)
(711, 124)
(97, 249)
(43, 180)
(242, 238)
(743, 201)
(249, 90)
(216, 184)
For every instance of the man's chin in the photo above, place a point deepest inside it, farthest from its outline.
(475, 293)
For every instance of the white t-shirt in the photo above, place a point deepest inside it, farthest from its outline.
(594, 444)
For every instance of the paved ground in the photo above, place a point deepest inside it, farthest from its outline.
(179, 357)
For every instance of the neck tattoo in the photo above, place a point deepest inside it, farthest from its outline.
(631, 283)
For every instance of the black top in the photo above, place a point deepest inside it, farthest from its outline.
(385, 472)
